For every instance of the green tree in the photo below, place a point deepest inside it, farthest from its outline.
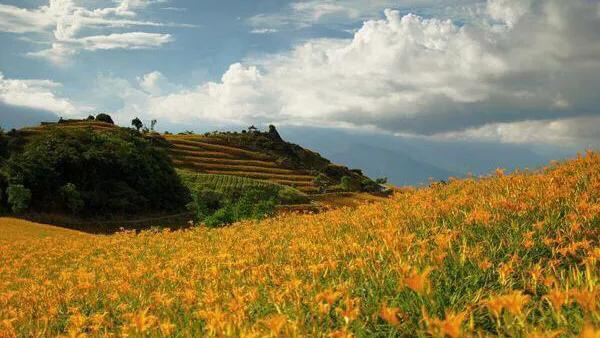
(102, 117)
(321, 181)
(116, 171)
(72, 198)
(19, 197)
(346, 183)
(381, 180)
(137, 123)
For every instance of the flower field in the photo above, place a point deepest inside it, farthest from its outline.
(509, 255)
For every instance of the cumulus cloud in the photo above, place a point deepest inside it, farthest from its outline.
(67, 21)
(303, 14)
(578, 132)
(35, 94)
(523, 61)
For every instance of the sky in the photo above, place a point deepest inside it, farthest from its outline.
(521, 73)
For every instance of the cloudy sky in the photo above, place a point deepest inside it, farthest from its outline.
(505, 71)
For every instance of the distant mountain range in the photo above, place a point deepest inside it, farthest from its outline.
(413, 161)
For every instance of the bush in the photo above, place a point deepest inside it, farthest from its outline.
(19, 197)
(381, 180)
(3, 197)
(321, 181)
(252, 204)
(221, 217)
(104, 118)
(264, 209)
(289, 195)
(346, 183)
(204, 202)
(72, 198)
(115, 172)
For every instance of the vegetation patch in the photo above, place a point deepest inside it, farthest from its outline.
(91, 173)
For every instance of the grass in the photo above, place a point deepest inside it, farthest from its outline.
(508, 255)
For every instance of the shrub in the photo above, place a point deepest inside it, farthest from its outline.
(72, 198)
(104, 118)
(289, 195)
(137, 123)
(204, 202)
(115, 171)
(3, 186)
(381, 180)
(263, 209)
(221, 217)
(19, 197)
(346, 183)
(321, 181)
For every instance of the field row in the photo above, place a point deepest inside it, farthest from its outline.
(240, 166)
(219, 148)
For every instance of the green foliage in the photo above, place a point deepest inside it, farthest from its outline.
(321, 181)
(115, 171)
(19, 197)
(102, 117)
(3, 146)
(137, 123)
(221, 217)
(346, 183)
(72, 198)
(381, 180)
(3, 187)
(369, 185)
(289, 195)
(252, 204)
(204, 202)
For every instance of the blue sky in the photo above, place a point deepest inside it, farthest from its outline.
(515, 72)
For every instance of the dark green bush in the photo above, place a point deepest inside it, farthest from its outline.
(221, 217)
(346, 183)
(115, 172)
(104, 118)
(252, 204)
(19, 197)
(3, 196)
(72, 198)
(204, 202)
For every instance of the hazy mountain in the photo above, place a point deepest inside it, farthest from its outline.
(406, 160)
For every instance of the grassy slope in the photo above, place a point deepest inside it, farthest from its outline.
(507, 255)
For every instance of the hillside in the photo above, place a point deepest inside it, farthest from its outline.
(507, 255)
(92, 171)
(255, 154)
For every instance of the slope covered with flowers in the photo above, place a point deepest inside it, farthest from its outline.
(506, 255)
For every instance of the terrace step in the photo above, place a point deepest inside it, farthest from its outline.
(201, 164)
(200, 157)
(219, 148)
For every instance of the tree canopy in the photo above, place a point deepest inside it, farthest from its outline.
(96, 173)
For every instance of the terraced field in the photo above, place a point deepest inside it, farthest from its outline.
(206, 155)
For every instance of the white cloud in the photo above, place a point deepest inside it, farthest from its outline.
(307, 13)
(264, 30)
(68, 21)
(35, 94)
(406, 74)
(578, 132)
